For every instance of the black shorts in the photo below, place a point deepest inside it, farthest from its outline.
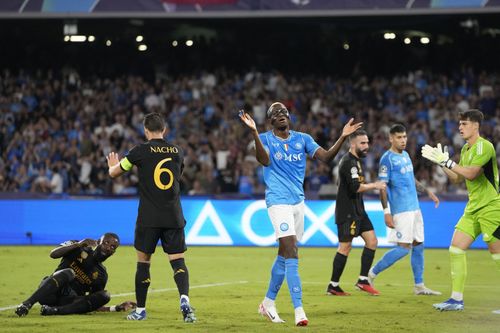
(172, 240)
(348, 230)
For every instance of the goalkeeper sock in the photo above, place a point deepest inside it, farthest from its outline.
(458, 262)
(277, 277)
(293, 281)
(417, 263)
(390, 258)
(142, 282)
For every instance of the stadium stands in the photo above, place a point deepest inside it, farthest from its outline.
(56, 127)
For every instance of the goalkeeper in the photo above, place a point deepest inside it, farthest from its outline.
(478, 167)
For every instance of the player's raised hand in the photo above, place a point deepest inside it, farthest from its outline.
(112, 159)
(351, 127)
(245, 118)
(438, 155)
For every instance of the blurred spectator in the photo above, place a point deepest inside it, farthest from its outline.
(56, 128)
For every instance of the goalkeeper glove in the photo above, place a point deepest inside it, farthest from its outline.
(438, 155)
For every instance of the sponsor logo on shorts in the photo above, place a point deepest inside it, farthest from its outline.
(284, 226)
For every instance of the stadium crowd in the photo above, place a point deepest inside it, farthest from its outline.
(57, 128)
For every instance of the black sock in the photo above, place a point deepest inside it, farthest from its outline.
(84, 304)
(50, 285)
(338, 266)
(366, 261)
(142, 282)
(181, 276)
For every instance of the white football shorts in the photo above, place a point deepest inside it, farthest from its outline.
(287, 220)
(408, 227)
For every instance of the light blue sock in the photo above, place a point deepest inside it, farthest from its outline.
(390, 258)
(293, 281)
(417, 263)
(277, 277)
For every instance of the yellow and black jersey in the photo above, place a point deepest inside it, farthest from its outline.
(90, 275)
(350, 206)
(160, 165)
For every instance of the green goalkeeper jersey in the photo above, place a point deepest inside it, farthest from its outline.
(483, 189)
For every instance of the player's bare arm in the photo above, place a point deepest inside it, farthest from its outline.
(260, 152)
(381, 186)
(422, 189)
(62, 250)
(114, 168)
(387, 213)
(328, 155)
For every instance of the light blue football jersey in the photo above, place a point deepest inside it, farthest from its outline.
(397, 171)
(284, 177)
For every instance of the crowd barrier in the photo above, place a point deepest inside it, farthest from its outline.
(209, 222)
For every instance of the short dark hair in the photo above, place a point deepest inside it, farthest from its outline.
(472, 115)
(112, 234)
(357, 133)
(397, 128)
(153, 122)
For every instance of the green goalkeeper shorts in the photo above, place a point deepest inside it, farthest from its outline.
(485, 220)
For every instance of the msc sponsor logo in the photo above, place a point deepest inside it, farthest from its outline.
(288, 157)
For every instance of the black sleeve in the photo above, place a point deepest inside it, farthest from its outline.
(349, 173)
(134, 155)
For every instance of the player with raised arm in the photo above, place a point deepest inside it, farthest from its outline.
(403, 217)
(350, 215)
(77, 285)
(160, 215)
(282, 152)
(478, 168)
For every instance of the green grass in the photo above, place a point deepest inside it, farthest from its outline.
(233, 307)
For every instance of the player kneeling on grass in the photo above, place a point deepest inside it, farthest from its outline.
(77, 285)
(478, 168)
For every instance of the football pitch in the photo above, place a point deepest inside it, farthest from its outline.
(228, 283)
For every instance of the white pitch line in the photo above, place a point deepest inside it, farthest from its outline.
(10, 307)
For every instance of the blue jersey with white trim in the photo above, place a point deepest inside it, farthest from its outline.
(397, 171)
(284, 177)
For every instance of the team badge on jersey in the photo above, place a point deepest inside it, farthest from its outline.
(95, 275)
(298, 145)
